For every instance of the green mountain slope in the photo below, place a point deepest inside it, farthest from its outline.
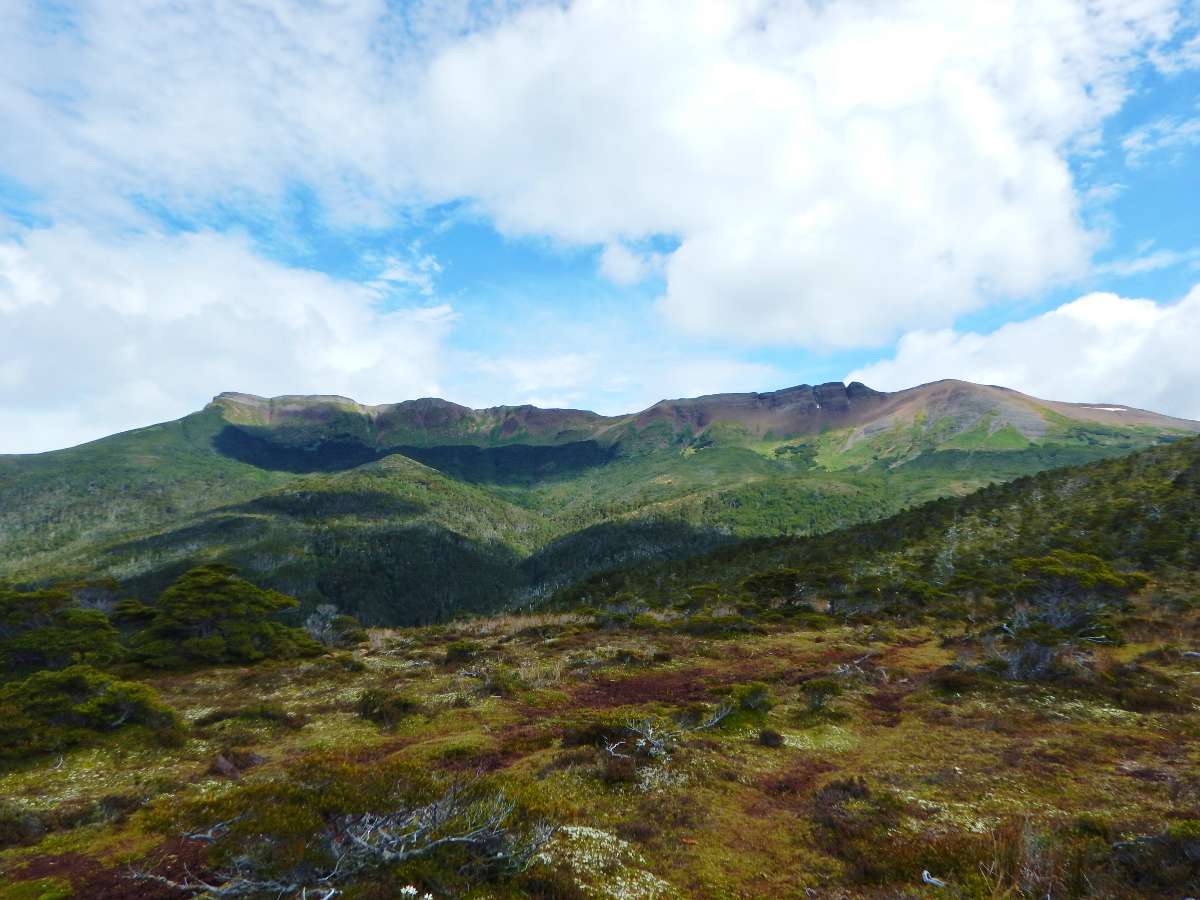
(1139, 512)
(411, 511)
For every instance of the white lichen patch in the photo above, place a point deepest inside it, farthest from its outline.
(1085, 711)
(660, 778)
(603, 865)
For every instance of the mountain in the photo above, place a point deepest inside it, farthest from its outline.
(411, 511)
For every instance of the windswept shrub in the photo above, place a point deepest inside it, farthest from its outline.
(1166, 861)
(501, 681)
(325, 821)
(262, 712)
(47, 629)
(209, 616)
(385, 707)
(328, 627)
(18, 825)
(54, 710)
(769, 737)
(461, 652)
(753, 697)
(819, 692)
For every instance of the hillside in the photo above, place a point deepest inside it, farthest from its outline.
(998, 690)
(408, 512)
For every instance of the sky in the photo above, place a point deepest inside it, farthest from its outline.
(592, 204)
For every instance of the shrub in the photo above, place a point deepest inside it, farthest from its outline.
(265, 712)
(1169, 860)
(331, 629)
(210, 615)
(618, 769)
(461, 652)
(55, 710)
(385, 707)
(18, 825)
(753, 697)
(501, 680)
(769, 737)
(819, 692)
(324, 820)
(709, 626)
(47, 630)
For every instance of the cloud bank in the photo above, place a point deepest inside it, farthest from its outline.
(1099, 348)
(147, 328)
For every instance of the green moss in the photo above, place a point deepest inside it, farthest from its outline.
(38, 889)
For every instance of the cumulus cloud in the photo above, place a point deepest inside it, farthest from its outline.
(99, 336)
(1099, 348)
(833, 173)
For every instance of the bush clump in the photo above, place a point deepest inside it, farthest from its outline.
(328, 627)
(210, 616)
(263, 712)
(385, 707)
(461, 652)
(47, 629)
(54, 710)
(769, 737)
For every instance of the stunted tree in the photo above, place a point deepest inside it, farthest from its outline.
(1061, 601)
(47, 629)
(782, 586)
(211, 615)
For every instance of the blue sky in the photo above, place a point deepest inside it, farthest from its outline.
(593, 204)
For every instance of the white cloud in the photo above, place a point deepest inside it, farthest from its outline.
(101, 336)
(418, 271)
(833, 172)
(620, 369)
(620, 265)
(1099, 348)
(1148, 260)
(1171, 135)
(1185, 56)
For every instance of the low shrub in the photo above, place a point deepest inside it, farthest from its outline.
(54, 710)
(769, 737)
(461, 652)
(19, 825)
(385, 707)
(265, 712)
(819, 692)
(324, 820)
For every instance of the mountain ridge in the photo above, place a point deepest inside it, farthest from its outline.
(411, 512)
(788, 412)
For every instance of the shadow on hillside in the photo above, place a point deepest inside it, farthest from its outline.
(507, 464)
(390, 572)
(614, 545)
(359, 504)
